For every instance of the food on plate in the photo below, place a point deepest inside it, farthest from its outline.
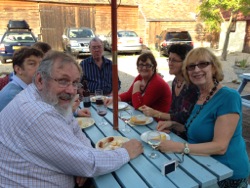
(85, 122)
(138, 120)
(111, 143)
(163, 137)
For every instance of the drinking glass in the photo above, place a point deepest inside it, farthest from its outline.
(102, 111)
(125, 116)
(98, 95)
(154, 139)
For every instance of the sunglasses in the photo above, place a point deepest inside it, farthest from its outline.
(200, 65)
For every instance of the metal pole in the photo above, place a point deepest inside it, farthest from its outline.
(114, 65)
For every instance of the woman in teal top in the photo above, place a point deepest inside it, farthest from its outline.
(215, 124)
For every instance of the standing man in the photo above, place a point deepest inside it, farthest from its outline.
(25, 62)
(97, 69)
(41, 143)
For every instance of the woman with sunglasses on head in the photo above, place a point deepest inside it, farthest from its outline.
(215, 124)
(184, 96)
(148, 88)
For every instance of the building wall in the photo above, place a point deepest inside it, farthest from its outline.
(236, 40)
(147, 18)
(17, 10)
(49, 19)
(155, 28)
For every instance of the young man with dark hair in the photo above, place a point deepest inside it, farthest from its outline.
(43, 46)
(25, 62)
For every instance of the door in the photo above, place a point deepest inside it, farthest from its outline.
(55, 18)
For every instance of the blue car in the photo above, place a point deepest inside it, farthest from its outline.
(18, 35)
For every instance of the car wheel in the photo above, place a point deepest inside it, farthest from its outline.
(160, 52)
(138, 53)
(3, 60)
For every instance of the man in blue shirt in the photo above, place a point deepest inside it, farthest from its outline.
(97, 69)
(25, 62)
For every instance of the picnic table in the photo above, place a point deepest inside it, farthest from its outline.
(245, 98)
(194, 171)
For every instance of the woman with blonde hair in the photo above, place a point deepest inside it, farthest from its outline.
(215, 124)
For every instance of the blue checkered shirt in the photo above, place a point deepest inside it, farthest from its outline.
(41, 148)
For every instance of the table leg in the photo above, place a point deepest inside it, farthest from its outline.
(242, 85)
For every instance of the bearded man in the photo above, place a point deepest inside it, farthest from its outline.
(41, 144)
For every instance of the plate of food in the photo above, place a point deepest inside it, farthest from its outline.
(140, 120)
(85, 122)
(111, 143)
(93, 99)
(121, 105)
(164, 136)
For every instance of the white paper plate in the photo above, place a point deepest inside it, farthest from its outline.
(121, 105)
(85, 122)
(143, 118)
(144, 136)
(93, 99)
(111, 142)
(247, 74)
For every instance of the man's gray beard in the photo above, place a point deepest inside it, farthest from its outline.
(51, 99)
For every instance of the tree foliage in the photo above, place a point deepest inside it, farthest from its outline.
(210, 11)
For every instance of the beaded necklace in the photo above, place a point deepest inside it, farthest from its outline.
(179, 83)
(204, 103)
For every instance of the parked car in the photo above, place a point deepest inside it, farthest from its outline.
(17, 35)
(167, 38)
(127, 41)
(76, 40)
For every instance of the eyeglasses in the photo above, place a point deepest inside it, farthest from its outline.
(96, 47)
(148, 66)
(65, 83)
(200, 65)
(173, 61)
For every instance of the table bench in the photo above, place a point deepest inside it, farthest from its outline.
(245, 98)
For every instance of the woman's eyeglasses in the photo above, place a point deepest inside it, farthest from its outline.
(173, 61)
(200, 65)
(148, 66)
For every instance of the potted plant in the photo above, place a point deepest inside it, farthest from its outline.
(241, 66)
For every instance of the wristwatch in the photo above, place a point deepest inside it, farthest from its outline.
(186, 149)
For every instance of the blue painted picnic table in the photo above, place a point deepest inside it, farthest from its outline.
(195, 171)
(245, 98)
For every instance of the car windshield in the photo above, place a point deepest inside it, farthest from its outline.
(177, 36)
(13, 37)
(126, 34)
(81, 33)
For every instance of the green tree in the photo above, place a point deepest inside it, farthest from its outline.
(210, 11)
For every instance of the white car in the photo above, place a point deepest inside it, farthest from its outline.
(127, 42)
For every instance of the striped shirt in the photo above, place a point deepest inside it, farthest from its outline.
(98, 78)
(41, 148)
